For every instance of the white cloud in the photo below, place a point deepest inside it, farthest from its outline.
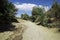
(25, 6)
(28, 6)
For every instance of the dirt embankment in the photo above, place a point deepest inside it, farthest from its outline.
(16, 34)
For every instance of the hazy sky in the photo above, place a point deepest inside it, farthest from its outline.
(26, 6)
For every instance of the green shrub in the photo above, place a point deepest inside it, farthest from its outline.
(37, 14)
(25, 16)
(7, 15)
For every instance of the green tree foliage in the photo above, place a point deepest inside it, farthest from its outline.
(7, 13)
(54, 11)
(38, 14)
(54, 15)
(50, 19)
(7, 10)
(25, 16)
(46, 21)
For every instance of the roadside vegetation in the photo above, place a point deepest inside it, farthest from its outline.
(51, 18)
(7, 15)
(9, 21)
(25, 16)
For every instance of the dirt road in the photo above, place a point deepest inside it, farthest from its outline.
(34, 32)
(27, 30)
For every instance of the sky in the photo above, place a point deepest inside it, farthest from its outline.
(26, 6)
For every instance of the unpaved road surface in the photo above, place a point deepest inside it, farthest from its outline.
(27, 30)
(34, 32)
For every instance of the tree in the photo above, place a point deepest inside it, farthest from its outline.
(7, 13)
(25, 16)
(54, 15)
(55, 10)
(37, 14)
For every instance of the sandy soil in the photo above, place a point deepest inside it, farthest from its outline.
(34, 32)
(27, 30)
